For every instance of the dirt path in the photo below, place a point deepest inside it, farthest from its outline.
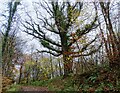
(33, 88)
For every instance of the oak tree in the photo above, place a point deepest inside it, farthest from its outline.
(62, 17)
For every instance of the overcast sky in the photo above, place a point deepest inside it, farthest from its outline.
(31, 42)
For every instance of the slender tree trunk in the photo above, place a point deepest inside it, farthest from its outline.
(27, 75)
(114, 58)
(60, 70)
(52, 74)
(20, 76)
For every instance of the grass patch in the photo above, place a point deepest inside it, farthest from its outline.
(56, 84)
(13, 88)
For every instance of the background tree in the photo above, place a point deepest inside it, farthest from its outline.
(6, 42)
(112, 45)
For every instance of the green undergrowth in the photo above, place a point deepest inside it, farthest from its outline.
(99, 80)
(13, 88)
(57, 84)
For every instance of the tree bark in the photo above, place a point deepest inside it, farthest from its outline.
(20, 76)
(67, 65)
(60, 69)
(114, 51)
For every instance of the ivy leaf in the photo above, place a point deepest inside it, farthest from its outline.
(44, 43)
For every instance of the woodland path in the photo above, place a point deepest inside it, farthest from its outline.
(33, 88)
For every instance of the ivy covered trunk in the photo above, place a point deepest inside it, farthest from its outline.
(67, 60)
(67, 65)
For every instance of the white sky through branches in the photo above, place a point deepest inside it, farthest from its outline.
(31, 42)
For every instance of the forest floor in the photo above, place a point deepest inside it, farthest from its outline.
(97, 81)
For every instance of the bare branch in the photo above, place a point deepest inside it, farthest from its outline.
(91, 52)
(88, 44)
(45, 51)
